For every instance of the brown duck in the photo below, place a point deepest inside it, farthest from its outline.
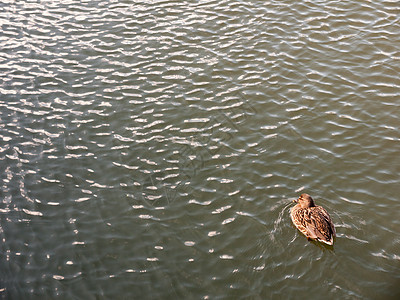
(312, 220)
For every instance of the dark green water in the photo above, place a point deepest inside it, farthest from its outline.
(151, 149)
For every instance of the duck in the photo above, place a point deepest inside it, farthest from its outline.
(312, 220)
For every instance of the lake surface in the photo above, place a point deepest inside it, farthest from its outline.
(152, 149)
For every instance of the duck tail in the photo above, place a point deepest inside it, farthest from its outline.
(328, 242)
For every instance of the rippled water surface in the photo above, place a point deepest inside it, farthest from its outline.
(151, 149)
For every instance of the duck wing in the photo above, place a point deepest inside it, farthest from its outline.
(324, 214)
(320, 225)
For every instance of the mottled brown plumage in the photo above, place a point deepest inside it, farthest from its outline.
(313, 221)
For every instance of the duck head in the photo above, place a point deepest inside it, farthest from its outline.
(305, 201)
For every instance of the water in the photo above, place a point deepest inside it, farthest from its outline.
(151, 149)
